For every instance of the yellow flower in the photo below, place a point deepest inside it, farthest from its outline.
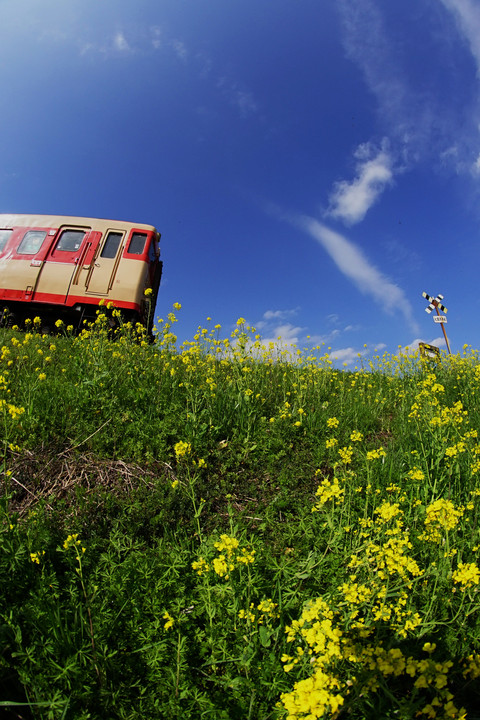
(441, 516)
(169, 620)
(201, 566)
(182, 448)
(466, 575)
(71, 541)
(148, 292)
(346, 454)
(376, 454)
(416, 474)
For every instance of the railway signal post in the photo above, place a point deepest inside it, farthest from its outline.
(435, 304)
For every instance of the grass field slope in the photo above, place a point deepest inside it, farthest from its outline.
(229, 529)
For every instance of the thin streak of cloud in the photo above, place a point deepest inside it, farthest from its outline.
(350, 202)
(278, 314)
(411, 115)
(366, 43)
(467, 15)
(351, 261)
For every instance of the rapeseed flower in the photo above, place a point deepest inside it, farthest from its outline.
(467, 575)
(182, 449)
(169, 621)
(442, 516)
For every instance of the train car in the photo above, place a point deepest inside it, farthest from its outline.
(60, 267)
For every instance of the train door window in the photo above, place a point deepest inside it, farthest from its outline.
(4, 238)
(137, 244)
(70, 240)
(32, 242)
(110, 246)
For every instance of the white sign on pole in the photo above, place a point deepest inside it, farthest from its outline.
(439, 319)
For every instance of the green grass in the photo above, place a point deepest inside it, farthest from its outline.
(227, 530)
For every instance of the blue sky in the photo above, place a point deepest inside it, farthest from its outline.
(313, 166)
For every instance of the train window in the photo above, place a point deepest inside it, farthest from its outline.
(70, 240)
(111, 244)
(31, 242)
(4, 236)
(137, 244)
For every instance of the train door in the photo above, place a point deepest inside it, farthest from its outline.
(62, 263)
(21, 262)
(101, 276)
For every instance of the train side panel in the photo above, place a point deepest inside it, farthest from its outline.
(75, 264)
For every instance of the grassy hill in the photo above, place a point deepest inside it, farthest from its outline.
(229, 530)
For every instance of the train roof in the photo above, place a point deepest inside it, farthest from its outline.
(56, 221)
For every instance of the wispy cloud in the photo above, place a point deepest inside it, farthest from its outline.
(238, 97)
(275, 328)
(422, 122)
(352, 262)
(367, 43)
(112, 46)
(467, 15)
(156, 33)
(350, 201)
(180, 49)
(278, 314)
(120, 42)
(347, 356)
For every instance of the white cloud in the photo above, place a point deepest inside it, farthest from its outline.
(351, 201)
(351, 261)
(333, 318)
(277, 337)
(367, 43)
(467, 15)
(156, 33)
(239, 98)
(413, 346)
(244, 101)
(179, 49)
(412, 115)
(120, 43)
(347, 355)
(284, 335)
(278, 314)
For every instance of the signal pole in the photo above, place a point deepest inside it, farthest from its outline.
(435, 303)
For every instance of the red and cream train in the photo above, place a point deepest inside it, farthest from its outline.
(60, 267)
